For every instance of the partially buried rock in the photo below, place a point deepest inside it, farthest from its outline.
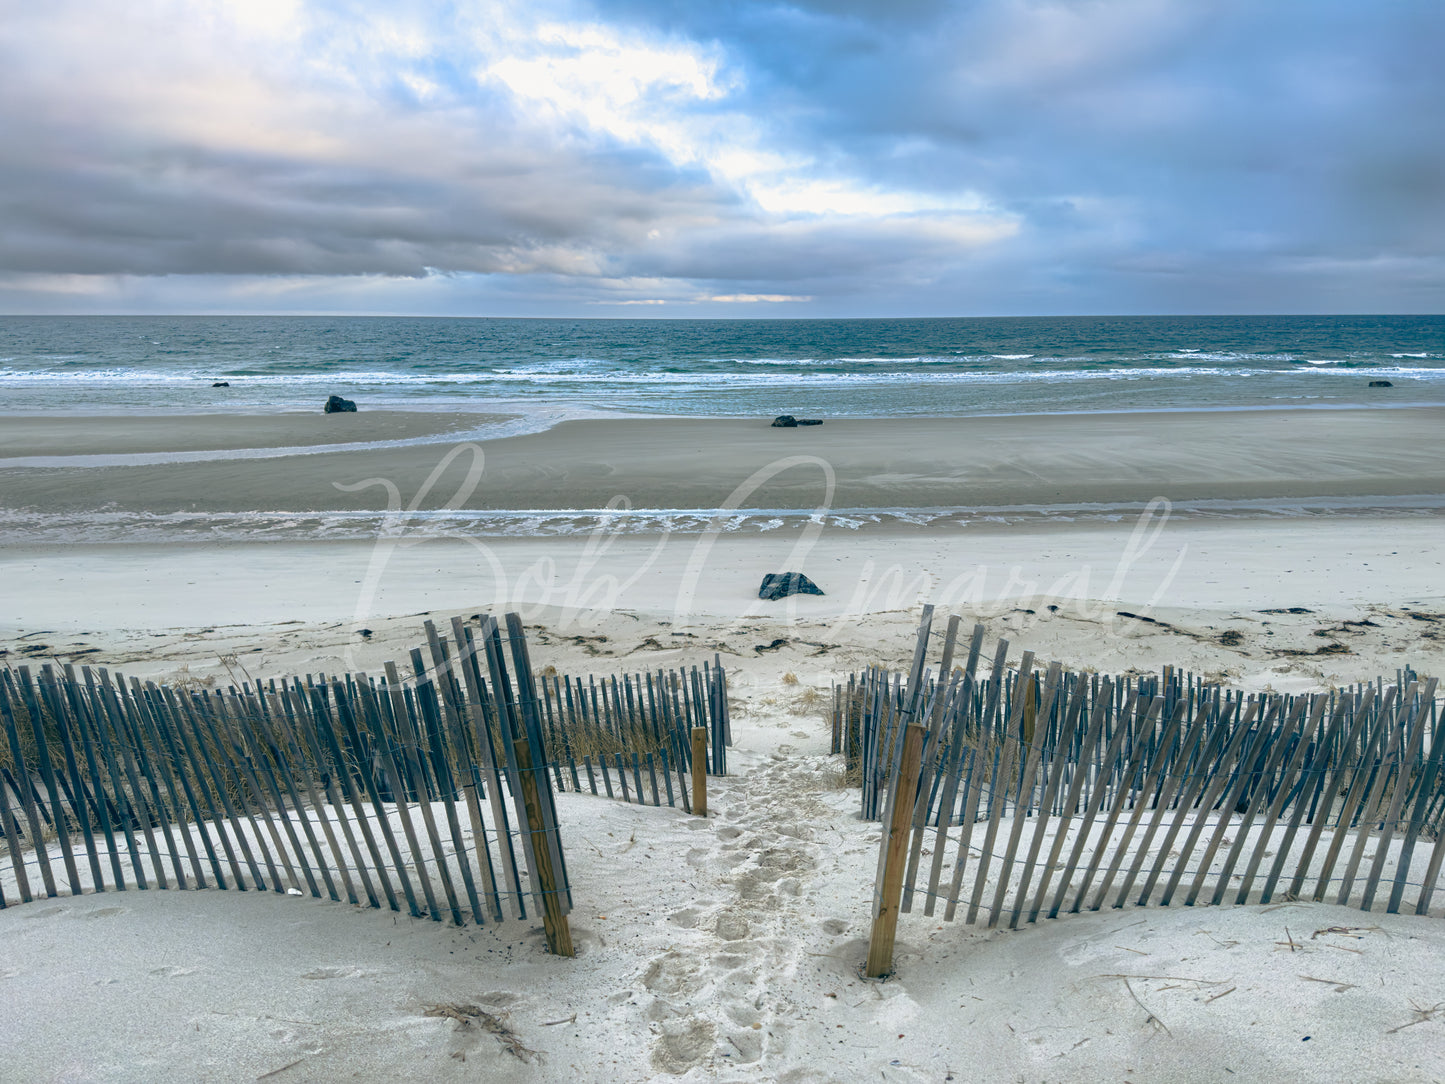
(221, 384)
(778, 585)
(785, 421)
(337, 405)
(810, 421)
(1381, 384)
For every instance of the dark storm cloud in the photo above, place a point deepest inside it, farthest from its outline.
(1117, 130)
(196, 211)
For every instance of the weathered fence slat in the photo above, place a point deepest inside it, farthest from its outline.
(314, 784)
(1147, 781)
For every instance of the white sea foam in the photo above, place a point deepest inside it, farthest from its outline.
(24, 528)
(1226, 355)
(505, 379)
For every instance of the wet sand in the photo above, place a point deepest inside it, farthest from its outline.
(110, 435)
(1101, 460)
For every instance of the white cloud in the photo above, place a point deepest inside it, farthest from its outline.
(652, 93)
(751, 299)
(797, 195)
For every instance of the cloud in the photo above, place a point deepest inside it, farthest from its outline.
(751, 299)
(1002, 155)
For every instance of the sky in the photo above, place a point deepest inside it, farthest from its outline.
(670, 158)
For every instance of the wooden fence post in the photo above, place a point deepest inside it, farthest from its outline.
(554, 918)
(885, 914)
(699, 771)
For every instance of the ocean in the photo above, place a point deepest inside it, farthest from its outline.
(549, 369)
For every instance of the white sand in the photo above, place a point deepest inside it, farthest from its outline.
(718, 950)
(690, 933)
(1373, 589)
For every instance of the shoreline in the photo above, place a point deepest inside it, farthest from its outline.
(574, 412)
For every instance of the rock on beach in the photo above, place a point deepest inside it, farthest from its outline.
(778, 585)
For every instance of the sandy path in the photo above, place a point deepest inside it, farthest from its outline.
(727, 996)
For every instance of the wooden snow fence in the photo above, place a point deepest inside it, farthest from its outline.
(1021, 795)
(631, 732)
(428, 794)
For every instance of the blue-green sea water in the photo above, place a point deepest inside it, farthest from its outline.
(828, 368)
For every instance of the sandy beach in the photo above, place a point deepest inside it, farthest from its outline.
(1292, 551)
(1079, 368)
(1041, 525)
(963, 463)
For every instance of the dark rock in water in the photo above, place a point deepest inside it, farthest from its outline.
(1381, 384)
(785, 421)
(810, 421)
(778, 585)
(221, 384)
(337, 405)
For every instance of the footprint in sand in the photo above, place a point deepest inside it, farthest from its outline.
(670, 973)
(686, 918)
(731, 927)
(747, 1044)
(683, 1044)
(755, 887)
